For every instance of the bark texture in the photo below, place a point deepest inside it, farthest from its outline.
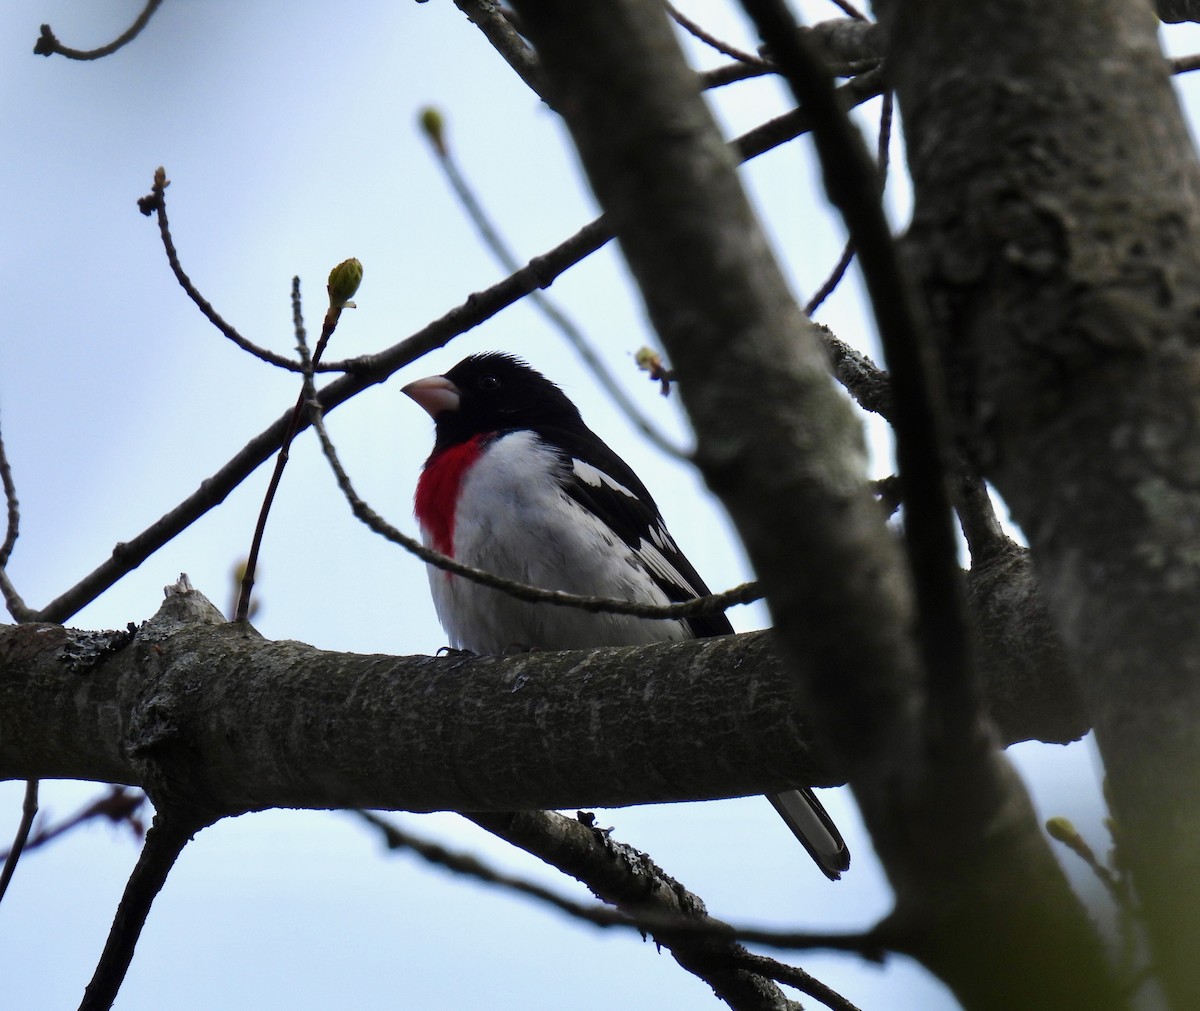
(1057, 239)
(218, 717)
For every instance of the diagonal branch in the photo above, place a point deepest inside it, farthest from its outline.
(617, 874)
(918, 416)
(156, 203)
(490, 18)
(775, 441)
(165, 840)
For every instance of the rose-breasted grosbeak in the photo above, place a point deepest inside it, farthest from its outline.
(519, 486)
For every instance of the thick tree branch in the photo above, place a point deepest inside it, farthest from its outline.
(332, 730)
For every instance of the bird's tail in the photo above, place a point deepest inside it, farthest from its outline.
(811, 824)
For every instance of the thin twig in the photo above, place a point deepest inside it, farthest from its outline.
(29, 808)
(370, 370)
(627, 878)
(799, 121)
(711, 604)
(795, 976)
(308, 364)
(731, 73)
(156, 203)
(566, 326)
(13, 526)
(832, 281)
(47, 44)
(850, 9)
(119, 804)
(647, 916)
(12, 599)
(698, 32)
(490, 19)
(881, 155)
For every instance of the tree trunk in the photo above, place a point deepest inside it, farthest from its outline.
(1056, 235)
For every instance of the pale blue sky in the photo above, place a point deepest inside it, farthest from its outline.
(288, 133)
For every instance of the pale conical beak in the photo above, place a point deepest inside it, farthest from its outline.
(434, 393)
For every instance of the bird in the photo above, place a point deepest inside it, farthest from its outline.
(519, 486)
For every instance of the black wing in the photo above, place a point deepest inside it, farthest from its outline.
(607, 487)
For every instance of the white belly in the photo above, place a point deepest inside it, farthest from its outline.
(549, 541)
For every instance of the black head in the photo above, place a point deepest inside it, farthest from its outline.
(492, 392)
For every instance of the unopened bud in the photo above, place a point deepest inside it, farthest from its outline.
(344, 280)
(434, 125)
(1060, 828)
(649, 360)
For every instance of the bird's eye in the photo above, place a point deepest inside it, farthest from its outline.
(489, 383)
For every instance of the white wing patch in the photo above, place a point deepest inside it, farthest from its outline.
(656, 563)
(595, 477)
(662, 539)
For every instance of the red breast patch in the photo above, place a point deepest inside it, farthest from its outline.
(437, 491)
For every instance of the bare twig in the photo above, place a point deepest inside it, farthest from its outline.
(13, 600)
(29, 808)
(799, 121)
(13, 525)
(368, 371)
(865, 381)
(504, 255)
(490, 19)
(16, 606)
(166, 839)
(156, 203)
(646, 898)
(698, 32)
(832, 281)
(338, 300)
(795, 976)
(119, 804)
(881, 155)
(731, 73)
(47, 44)
(1184, 64)
(18, 609)
(535, 831)
(850, 9)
